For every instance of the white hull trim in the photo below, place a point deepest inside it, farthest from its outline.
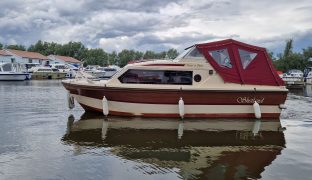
(12, 77)
(139, 109)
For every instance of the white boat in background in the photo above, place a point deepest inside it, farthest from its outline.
(70, 70)
(28, 66)
(309, 78)
(96, 71)
(307, 74)
(13, 72)
(46, 73)
(293, 78)
(109, 70)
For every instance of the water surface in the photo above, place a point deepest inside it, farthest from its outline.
(41, 139)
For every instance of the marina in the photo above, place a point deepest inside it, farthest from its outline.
(155, 90)
(46, 140)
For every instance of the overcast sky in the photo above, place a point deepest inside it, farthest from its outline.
(156, 24)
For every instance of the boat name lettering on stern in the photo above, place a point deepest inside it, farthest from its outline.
(249, 100)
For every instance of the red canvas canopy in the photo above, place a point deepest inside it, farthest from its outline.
(237, 62)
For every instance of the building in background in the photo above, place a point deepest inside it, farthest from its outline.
(25, 57)
(56, 59)
(5, 57)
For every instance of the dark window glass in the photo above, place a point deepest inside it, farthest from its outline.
(157, 77)
(7, 67)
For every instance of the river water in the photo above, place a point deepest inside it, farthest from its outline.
(41, 138)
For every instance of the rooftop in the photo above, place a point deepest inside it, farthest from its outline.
(26, 54)
(3, 53)
(67, 59)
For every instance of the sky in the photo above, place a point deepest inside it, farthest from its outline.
(156, 24)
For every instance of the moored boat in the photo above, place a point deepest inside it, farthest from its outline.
(70, 70)
(307, 74)
(46, 73)
(12, 72)
(219, 79)
(109, 71)
(294, 78)
(95, 71)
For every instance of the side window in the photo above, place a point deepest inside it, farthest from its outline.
(7, 67)
(246, 57)
(156, 77)
(221, 57)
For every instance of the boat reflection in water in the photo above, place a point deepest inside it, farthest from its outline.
(213, 149)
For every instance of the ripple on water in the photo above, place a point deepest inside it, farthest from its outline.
(38, 141)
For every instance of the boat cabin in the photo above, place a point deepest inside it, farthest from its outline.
(11, 67)
(221, 62)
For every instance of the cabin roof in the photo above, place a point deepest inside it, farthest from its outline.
(240, 63)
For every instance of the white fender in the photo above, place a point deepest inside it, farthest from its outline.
(282, 106)
(256, 127)
(105, 106)
(70, 101)
(181, 108)
(257, 110)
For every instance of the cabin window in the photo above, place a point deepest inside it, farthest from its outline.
(222, 57)
(195, 53)
(7, 67)
(157, 77)
(246, 57)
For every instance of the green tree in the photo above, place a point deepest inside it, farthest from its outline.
(1, 46)
(290, 60)
(16, 47)
(95, 57)
(113, 58)
(172, 53)
(127, 55)
(288, 48)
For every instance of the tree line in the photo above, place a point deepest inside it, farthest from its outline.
(293, 60)
(90, 56)
(283, 61)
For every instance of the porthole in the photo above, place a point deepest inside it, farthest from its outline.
(197, 78)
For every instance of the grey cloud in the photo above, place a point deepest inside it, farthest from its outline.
(144, 23)
(132, 6)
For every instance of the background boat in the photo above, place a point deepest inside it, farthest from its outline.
(13, 72)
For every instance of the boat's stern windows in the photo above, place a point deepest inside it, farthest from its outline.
(221, 57)
(139, 76)
(246, 57)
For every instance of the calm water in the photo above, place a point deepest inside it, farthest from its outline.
(41, 139)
